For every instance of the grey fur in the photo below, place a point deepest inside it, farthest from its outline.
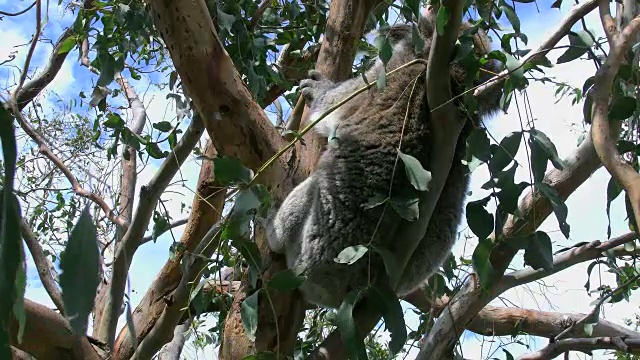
(325, 213)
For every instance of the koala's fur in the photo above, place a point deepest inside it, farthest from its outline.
(325, 214)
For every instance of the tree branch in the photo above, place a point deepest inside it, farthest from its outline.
(48, 335)
(172, 225)
(43, 265)
(33, 87)
(205, 211)
(19, 12)
(584, 345)
(534, 208)
(173, 349)
(577, 12)
(605, 134)
(149, 196)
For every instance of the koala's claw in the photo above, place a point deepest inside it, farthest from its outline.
(314, 85)
(315, 75)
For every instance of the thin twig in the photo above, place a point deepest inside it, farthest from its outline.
(19, 12)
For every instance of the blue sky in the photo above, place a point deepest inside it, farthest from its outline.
(560, 121)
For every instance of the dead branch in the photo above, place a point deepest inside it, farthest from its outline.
(554, 349)
(149, 196)
(43, 265)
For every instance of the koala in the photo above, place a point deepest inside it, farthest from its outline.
(329, 211)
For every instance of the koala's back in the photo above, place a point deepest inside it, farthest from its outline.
(359, 170)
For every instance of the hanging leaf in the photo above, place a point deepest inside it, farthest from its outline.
(351, 254)
(249, 315)
(559, 206)
(80, 277)
(622, 108)
(479, 219)
(547, 145)
(285, 281)
(539, 253)
(506, 152)
(229, 170)
(418, 176)
(580, 43)
(351, 338)
(481, 261)
(392, 313)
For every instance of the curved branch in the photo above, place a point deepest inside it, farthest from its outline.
(534, 209)
(604, 134)
(19, 12)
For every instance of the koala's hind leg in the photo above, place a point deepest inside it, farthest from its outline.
(284, 230)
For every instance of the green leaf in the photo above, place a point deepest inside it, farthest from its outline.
(479, 219)
(153, 149)
(547, 145)
(381, 81)
(417, 175)
(506, 152)
(539, 253)
(246, 201)
(80, 277)
(622, 108)
(580, 42)
(406, 206)
(351, 338)
(385, 51)
(249, 315)
(478, 145)
(416, 39)
(392, 313)
(229, 170)
(512, 17)
(442, 19)
(67, 45)
(390, 262)
(351, 254)
(559, 206)
(163, 126)
(114, 121)
(285, 281)
(481, 261)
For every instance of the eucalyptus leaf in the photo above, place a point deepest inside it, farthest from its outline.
(351, 254)
(249, 315)
(80, 276)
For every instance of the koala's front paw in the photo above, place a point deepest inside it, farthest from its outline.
(314, 86)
